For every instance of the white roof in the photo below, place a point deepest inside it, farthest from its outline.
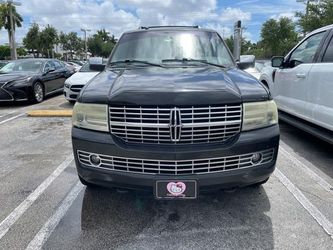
(321, 29)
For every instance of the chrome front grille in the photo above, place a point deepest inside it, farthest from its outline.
(176, 125)
(76, 88)
(193, 166)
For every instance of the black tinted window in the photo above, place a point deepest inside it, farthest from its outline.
(328, 57)
(47, 66)
(57, 64)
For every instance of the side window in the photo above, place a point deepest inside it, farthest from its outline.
(52, 64)
(306, 51)
(328, 57)
(57, 64)
(47, 67)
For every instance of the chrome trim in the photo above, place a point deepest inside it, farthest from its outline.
(2, 87)
(54, 91)
(134, 124)
(180, 167)
(175, 125)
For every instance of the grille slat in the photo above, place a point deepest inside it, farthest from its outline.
(195, 124)
(76, 88)
(181, 167)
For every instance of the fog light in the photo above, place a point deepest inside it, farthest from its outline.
(256, 158)
(95, 160)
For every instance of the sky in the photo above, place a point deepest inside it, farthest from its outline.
(117, 16)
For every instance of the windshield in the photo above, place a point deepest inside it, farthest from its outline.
(32, 66)
(86, 68)
(161, 46)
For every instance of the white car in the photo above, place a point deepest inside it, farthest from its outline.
(303, 84)
(259, 66)
(266, 75)
(76, 82)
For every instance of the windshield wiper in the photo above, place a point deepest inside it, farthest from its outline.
(193, 60)
(128, 61)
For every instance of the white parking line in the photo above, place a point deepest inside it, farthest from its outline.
(305, 167)
(44, 233)
(10, 119)
(8, 222)
(313, 211)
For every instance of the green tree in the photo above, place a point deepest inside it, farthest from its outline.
(95, 44)
(278, 37)
(22, 51)
(317, 14)
(101, 43)
(71, 42)
(32, 39)
(5, 18)
(230, 43)
(246, 46)
(47, 39)
(4, 52)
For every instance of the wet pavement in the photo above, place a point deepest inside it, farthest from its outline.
(43, 205)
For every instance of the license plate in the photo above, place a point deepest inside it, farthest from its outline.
(176, 189)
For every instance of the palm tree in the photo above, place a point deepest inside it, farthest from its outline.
(5, 18)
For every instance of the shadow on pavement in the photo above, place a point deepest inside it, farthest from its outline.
(66, 105)
(20, 104)
(136, 220)
(311, 148)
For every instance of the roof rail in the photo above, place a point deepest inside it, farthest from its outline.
(170, 26)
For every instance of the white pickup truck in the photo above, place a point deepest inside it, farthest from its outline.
(302, 84)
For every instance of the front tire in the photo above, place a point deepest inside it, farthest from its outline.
(38, 93)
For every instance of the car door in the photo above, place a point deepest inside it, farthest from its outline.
(321, 80)
(48, 78)
(61, 74)
(292, 86)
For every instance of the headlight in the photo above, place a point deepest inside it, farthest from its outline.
(20, 82)
(67, 83)
(259, 114)
(90, 116)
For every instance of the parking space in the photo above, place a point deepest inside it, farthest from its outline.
(43, 205)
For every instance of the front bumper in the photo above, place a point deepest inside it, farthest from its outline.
(8, 94)
(70, 95)
(106, 144)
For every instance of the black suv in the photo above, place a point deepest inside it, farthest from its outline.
(172, 113)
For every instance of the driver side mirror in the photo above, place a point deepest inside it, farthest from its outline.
(246, 61)
(277, 61)
(96, 64)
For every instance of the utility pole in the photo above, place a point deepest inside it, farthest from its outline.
(12, 41)
(85, 41)
(237, 40)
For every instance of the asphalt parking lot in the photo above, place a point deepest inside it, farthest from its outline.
(43, 205)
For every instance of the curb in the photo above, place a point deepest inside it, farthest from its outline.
(50, 113)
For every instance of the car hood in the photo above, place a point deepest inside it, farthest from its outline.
(4, 78)
(173, 86)
(81, 78)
